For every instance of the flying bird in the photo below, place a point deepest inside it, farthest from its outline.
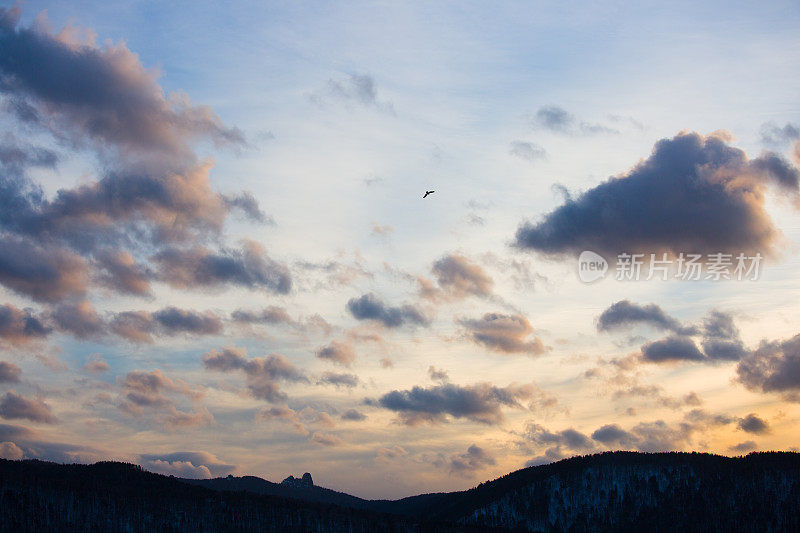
(427, 193)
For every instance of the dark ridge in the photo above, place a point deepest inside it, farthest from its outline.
(612, 491)
(116, 497)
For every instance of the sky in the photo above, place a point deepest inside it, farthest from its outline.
(216, 258)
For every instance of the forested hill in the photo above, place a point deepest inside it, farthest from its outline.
(613, 491)
(120, 497)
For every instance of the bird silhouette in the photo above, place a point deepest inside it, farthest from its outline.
(427, 193)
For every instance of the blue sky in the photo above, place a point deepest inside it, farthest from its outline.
(335, 118)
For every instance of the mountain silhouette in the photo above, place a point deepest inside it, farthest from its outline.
(612, 491)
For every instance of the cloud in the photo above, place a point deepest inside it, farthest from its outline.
(16, 156)
(199, 267)
(438, 374)
(475, 458)
(247, 204)
(43, 274)
(9, 372)
(10, 451)
(118, 270)
(194, 465)
(339, 379)
(660, 436)
(744, 447)
(568, 438)
(262, 374)
(103, 93)
(694, 194)
(613, 435)
(96, 366)
(753, 424)
(358, 89)
(150, 188)
(721, 340)
(14, 406)
(482, 402)
(353, 415)
(370, 307)
(20, 326)
(558, 120)
(672, 348)
(79, 319)
(269, 315)
(157, 393)
(174, 320)
(625, 314)
(326, 439)
(136, 326)
(775, 135)
(457, 278)
(527, 150)
(341, 353)
(504, 333)
(395, 452)
(773, 367)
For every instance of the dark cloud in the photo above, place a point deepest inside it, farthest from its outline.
(504, 333)
(775, 135)
(104, 94)
(247, 204)
(482, 402)
(694, 194)
(353, 415)
(438, 374)
(744, 447)
(527, 150)
(262, 374)
(118, 270)
(9, 372)
(558, 120)
(326, 439)
(753, 424)
(779, 169)
(269, 315)
(151, 189)
(16, 156)
(721, 340)
(672, 348)
(457, 277)
(43, 274)
(20, 326)
(14, 406)
(613, 435)
(625, 314)
(248, 267)
(773, 367)
(175, 320)
(79, 319)
(194, 465)
(339, 379)
(370, 307)
(149, 389)
(136, 326)
(341, 353)
(155, 392)
(358, 89)
(475, 458)
(570, 438)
